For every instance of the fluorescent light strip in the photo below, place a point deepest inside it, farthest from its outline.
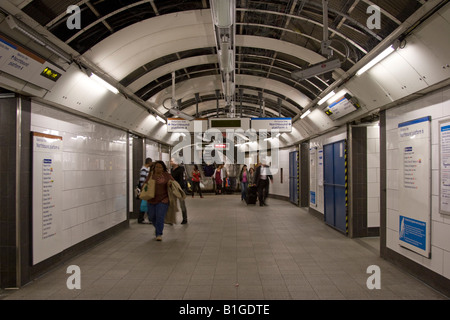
(305, 114)
(328, 96)
(377, 59)
(103, 83)
(160, 119)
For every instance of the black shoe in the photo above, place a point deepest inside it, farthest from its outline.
(266, 204)
(184, 222)
(261, 205)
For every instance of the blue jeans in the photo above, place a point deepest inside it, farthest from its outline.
(244, 190)
(156, 214)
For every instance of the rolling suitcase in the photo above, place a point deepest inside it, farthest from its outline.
(252, 195)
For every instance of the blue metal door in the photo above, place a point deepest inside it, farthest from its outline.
(335, 185)
(293, 177)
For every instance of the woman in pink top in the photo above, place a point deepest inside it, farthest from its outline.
(244, 178)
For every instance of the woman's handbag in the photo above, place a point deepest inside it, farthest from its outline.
(148, 190)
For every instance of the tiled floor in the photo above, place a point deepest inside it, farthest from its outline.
(230, 251)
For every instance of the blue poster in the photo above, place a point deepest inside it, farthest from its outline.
(313, 197)
(413, 232)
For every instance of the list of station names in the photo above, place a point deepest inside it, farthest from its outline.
(445, 167)
(410, 163)
(48, 197)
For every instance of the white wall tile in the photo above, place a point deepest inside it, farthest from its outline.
(436, 105)
(94, 172)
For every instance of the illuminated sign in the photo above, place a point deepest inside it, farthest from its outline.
(51, 74)
(221, 146)
(342, 107)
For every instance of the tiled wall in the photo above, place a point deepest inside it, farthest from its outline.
(277, 187)
(436, 105)
(94, 172)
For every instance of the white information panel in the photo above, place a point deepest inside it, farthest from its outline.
(444, 166)
(182, 125)
(415, 185)
(313, 177)
(47, 194)
(280, 124)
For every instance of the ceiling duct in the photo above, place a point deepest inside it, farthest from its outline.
(224, 19)
(174, 110)
(322, 67)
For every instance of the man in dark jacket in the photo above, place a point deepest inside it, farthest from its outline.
(178, 173)
(262, 176)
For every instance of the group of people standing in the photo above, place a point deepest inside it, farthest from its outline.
(258, 178)
(169, 188)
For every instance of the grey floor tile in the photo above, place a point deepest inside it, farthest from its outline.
(230, 251)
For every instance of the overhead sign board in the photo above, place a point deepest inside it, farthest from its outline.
(272, 124)
(342, 107)
(183, 125)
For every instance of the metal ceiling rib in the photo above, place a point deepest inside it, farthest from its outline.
(296, 22)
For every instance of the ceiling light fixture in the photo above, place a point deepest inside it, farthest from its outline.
(305, 114)
(328, 96)
(377, 59)
(103, 83)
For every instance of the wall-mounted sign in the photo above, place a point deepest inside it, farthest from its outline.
(269, 124)
(415, 185)
(47, 195)
(25, 65)
(444, 166)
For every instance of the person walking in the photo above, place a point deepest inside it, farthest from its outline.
(196, 177)
(158, 206)
(262, 177)
(145, 170)
(178, 173)
(243, 179)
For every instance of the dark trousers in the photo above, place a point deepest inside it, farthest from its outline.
(263, 190)
(196, 187)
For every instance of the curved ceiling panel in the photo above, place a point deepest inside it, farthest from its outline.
(139, 43)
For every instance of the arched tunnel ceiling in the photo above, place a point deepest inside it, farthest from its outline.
(140, 44)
